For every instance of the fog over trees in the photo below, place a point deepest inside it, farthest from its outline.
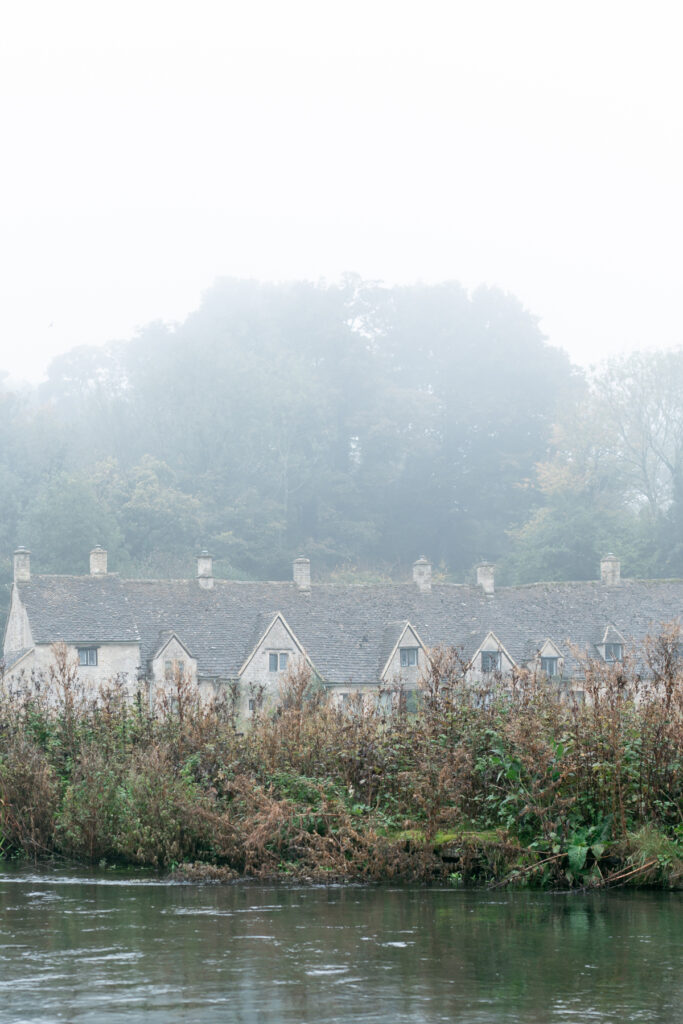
(359, 424)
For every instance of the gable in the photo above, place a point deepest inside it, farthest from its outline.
(549, 649)
(612, 636)
(18, 635)
(277, 638)
(172, 657)
(491, 644)
(408, 640)
(171, 646)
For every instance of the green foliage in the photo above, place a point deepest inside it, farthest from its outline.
(504, 784)
(614, 477)
(350, 421)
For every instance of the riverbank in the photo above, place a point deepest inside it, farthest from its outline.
(501, 785)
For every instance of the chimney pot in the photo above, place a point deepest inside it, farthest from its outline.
(610, 571)
(98, 561)
(205, 570)
(486, 573)
(301, 568)
(422, 575)
(22, 565)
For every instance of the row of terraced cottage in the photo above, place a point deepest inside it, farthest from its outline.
(354, 637)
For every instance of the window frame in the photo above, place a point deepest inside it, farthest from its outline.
(491, 661)
(173, 666)
(278, 661)
(409, 657)
(88, 657)
(548, 659)
(614, 652)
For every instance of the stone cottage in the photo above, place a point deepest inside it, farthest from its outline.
(354, 637)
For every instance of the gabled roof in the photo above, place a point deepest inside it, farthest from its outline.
(347, 631)
(612, 635)
(264, 636)
(549, 649)
(492, 643)
(406, 628)
(165, 638)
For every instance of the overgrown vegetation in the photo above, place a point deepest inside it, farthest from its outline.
(501, 784)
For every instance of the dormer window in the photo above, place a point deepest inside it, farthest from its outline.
(550, 666)
(490, 661)
(408, 657)
(613, 652)
(277, 661)
(172, 667)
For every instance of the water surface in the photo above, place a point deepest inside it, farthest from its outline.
(120, 949)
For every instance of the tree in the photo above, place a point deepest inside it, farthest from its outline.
(614, 479)
(64, 521)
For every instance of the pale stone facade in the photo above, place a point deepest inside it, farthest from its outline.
(18, 631)
(277, 655)
(489, 660)
(172, 666)
(113, 663)
(406, 661)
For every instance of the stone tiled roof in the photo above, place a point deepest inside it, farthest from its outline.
(78, 609)
(347, 631)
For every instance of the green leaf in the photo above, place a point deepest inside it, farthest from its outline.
(577, 858)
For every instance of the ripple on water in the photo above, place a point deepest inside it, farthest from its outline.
(315, 971)
(171, 957)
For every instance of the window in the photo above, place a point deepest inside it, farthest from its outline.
(612, 652)
(408, 657)
(171, 668)
(490, 661)
(87, 655)
(252, 704)
(168, 669)
(549, 666)
(277, 661)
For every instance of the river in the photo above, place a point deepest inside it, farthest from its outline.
(106, 947)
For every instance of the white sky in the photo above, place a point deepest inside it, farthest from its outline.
(149, 147)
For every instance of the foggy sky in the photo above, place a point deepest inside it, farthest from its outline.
(150, 147)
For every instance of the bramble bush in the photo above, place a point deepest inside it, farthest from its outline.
(516, 778)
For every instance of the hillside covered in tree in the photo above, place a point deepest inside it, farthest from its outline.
(359, 424)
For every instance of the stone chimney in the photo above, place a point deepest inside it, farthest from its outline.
(610, 571)
(98, 561)
(486, 573)
(422, 575)
(205, 570)
(22, 565)
(302, 573)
